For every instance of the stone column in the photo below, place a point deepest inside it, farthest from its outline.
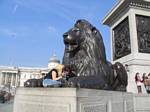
(18, 84)
(1, 78)
(12, 79)
(16, 81)
(5, 78)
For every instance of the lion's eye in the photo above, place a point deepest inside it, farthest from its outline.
(76, 30)
(94, 30)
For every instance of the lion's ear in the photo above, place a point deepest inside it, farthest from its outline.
(94, 30)
(78, 22)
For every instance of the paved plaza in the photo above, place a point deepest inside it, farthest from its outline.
(6, 107)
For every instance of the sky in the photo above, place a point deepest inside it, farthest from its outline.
(31, 30)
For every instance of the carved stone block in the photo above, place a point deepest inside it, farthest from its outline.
(143, 33)
(121, 40)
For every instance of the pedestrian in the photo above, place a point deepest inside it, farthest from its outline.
(138, 81)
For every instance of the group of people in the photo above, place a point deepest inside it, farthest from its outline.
(57, 77)
(143, 83)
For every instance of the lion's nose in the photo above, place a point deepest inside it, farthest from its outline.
(65, 35)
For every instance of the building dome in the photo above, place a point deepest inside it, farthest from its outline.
(53, 62)
(54, 59)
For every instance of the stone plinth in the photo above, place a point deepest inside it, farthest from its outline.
(142, 102)
(129, 23)
(71, 100)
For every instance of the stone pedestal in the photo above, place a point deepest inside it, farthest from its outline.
(71, 100)
(142, 103)
(129, 24)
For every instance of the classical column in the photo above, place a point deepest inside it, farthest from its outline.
(5, 73)
(16, 82)
(12, 80)
(1, 78)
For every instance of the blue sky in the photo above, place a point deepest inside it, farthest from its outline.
(31, 30)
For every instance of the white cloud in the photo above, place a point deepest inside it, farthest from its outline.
(69, 10)
(51, 29)
(14, 9)
(8, 32)
(61, 9)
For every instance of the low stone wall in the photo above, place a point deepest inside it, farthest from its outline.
(71, 100)
(142, 102)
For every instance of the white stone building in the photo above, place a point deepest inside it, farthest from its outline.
(13, 77)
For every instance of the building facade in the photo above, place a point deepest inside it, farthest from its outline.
(13, 77)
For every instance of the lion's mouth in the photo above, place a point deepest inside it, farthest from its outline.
(71, 47)
(71, 44)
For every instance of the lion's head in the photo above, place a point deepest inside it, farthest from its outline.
(84, 36)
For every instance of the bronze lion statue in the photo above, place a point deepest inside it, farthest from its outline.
(85, 54)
